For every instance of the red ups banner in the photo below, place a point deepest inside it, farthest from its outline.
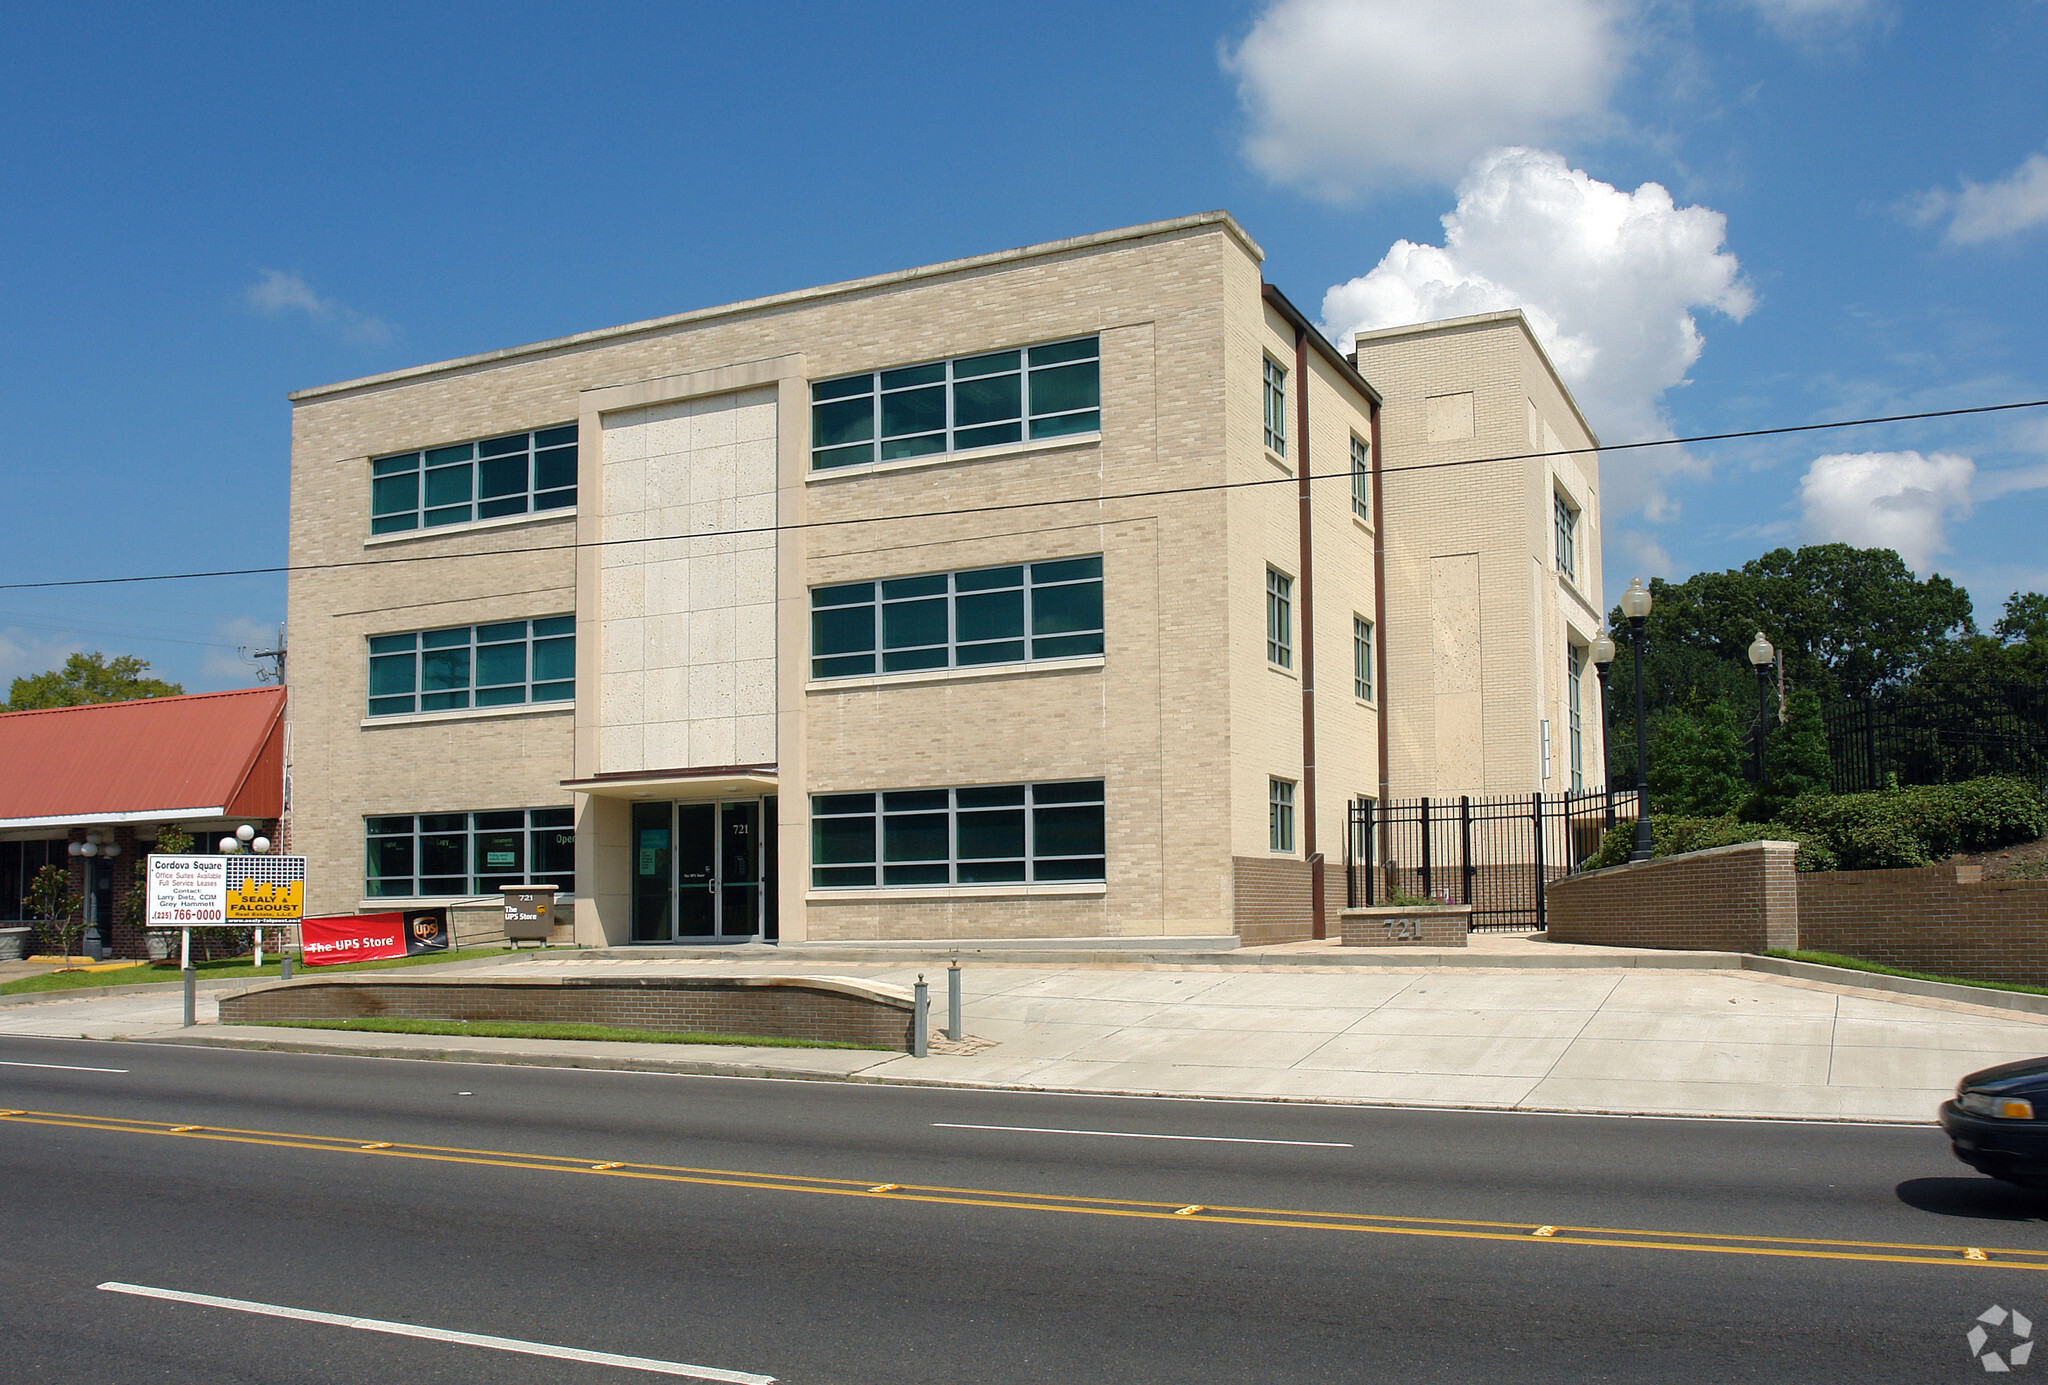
(368, 937)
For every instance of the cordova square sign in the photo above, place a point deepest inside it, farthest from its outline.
(231, 891)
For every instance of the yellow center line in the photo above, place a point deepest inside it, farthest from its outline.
(1384, 1224)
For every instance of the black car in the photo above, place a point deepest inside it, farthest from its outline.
(1998, 1122)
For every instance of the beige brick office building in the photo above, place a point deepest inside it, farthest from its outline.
(1037, 594)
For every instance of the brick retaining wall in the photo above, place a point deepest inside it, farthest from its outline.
(779, 1006)
(1390, 926)
(1928, 920)
(1273, 898)
(1740, 898)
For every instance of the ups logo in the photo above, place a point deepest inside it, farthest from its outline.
(426, 928)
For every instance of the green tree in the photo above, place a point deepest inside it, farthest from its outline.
(50, 899)
(1795, 758)
(1696, 765)
(88, 678)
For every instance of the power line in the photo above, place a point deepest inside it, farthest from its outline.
(1780, 431)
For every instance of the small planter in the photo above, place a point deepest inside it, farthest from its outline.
(1423, 925)
(14, 943)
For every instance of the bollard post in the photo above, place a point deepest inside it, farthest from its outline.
(953, 1001)
(920, 1017)
(191, 977)
(284, 966)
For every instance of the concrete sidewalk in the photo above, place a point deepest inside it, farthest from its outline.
(1623, 1038)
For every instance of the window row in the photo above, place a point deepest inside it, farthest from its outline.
(500, 665)
(512, 475)
(994, 615)
(1013, 834)
(452, 854)
(950, 406)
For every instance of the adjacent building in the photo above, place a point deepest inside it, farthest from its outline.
(1036, 594)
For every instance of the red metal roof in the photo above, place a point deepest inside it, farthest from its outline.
(152, 759)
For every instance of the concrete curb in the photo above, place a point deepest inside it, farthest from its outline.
(213, 987)
(1898, 985)
(698, 1067)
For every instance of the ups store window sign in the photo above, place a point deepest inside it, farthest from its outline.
(368, 937)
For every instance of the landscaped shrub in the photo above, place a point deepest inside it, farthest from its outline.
(1888, 829)
(1672, 836)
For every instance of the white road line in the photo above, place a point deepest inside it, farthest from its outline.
(1136, 1135)
(67, 1067)
(437, 1334)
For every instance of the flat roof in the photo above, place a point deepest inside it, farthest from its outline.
(874, 281)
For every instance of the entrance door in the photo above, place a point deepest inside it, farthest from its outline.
(739, 869)
(696, 870)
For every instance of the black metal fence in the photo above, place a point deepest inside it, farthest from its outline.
(1939, 733)
(1494, 853)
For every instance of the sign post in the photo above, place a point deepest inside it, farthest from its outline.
(188, 892)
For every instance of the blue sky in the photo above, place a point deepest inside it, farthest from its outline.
(211, 205)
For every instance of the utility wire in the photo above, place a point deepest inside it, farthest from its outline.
(1021, 504)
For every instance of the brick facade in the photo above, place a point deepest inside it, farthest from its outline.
(1272, 899)
(781, 1007)
(1396, 927)
(1929, 920)
(1739, 898)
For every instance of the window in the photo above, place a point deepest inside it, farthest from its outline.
(1361, 478)
(1361, 658)
(1567, 535)
(511, 475)
(1574, 678)
(1014, 834)
(1280, 814)
(1276, 406)
(994, 615)
(1279, 619)
(458, 854)
(501, 665)
(950, 406)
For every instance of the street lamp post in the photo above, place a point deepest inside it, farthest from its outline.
(1635, 604)
(1761, 657)
(1602, 654)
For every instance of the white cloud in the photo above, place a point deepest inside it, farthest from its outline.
(23, 655)
(1809, 19)
(1609, 280)
(2009, 481)
(1896, 500)
(277, 293)
(1344, 95)
(1988, 211)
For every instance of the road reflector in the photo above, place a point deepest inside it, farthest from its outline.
(1544, 1231)
(1972, 1253)
(1188, 1211)
(13, 1113)
(181, 1129)
(885, 1187)
(600, 1168)
(378, 1146)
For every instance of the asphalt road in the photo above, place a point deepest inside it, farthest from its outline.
(747, 1229)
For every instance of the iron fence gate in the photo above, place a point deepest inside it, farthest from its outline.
(1939, 733)
(1494, 853)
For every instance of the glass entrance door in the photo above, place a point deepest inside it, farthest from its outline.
(697, 871)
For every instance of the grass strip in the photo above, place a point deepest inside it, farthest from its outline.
(512, 1029)
(1831, 959)
(224, 969)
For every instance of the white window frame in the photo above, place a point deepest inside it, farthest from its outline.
(1575, 678)
(1565, 520)
(1361, 478)
(1279, 618)
(1280, 816)
(1274, 395)
(1361, 658)
(551, 446)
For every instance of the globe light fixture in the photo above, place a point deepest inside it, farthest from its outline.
(245, 833)
(1635, 604)
(260, 845)
(1761, 658)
